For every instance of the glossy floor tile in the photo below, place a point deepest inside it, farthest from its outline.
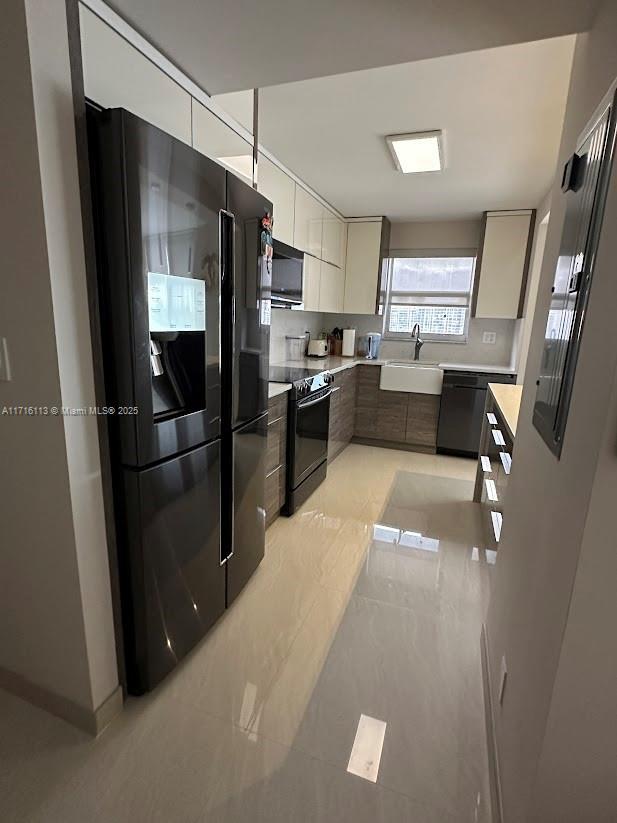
(354, 650)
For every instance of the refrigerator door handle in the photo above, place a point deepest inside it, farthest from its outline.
(231, 513)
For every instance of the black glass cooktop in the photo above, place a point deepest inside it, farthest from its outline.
(291, 374)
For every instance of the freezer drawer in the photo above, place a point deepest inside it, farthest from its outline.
(249, 504)
(173, 583)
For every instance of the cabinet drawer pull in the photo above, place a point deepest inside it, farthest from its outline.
(497, 520)
(506, 460)
(276, 420)
(491, 491)
(274, 470)
(498, 437)
(486, 463)
(491, 418)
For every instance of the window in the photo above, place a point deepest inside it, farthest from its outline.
(434, 292)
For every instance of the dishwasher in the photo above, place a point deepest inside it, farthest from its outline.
(463, 397)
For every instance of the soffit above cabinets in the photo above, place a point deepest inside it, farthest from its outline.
(240, 45)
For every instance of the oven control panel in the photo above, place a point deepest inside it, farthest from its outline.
(313, 384)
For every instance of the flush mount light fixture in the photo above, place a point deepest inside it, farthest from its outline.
(417, 152)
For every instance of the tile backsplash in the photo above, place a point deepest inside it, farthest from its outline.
(474, 351)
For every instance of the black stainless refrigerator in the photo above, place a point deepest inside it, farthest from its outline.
(184, 291)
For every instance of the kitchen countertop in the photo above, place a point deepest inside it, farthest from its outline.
(336, 364)
(477, 367)
(274, 389)
(508, 399)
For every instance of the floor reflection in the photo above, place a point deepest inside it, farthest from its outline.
(343, 685)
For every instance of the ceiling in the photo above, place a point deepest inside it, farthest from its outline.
(241, 44)
(501, 111)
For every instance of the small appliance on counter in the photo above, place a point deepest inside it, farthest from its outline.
(295, 347)
(318, 348)
(349, 343)
(368, 346)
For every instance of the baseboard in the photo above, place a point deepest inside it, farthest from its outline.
(393, 444)
(491, 740)
(90, 721)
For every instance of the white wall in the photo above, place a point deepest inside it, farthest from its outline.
(443, 234)
(546, 511)
(56, 628)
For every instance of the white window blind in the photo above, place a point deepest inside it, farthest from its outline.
(433, 291)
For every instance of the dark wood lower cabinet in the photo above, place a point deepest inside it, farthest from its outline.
(422, 419)
(493, 471)
(342, 411)
(394, 417)
(276, 457)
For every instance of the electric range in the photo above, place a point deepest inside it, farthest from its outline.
(308, 421)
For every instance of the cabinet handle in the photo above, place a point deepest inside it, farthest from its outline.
(497, 520)
(491, 491)
(274, 470)
(506, 460)
(498, 437)
(276, 420)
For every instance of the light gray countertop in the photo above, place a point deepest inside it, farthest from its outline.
(336, 364)
(274, 389)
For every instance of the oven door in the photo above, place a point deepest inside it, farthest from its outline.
(311, 435)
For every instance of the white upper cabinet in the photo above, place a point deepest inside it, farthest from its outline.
(278, 187)
(503, 261)
(362, 267)
(332, 239)
(217, 140)
(308, 223)
(332, 288)
(117, 75)
(311, 286)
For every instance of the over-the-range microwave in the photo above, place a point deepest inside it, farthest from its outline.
(287, 267)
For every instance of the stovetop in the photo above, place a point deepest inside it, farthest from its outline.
(291, 374)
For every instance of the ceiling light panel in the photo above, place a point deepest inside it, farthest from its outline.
(417, 152)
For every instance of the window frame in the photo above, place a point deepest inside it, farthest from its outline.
(385, 296)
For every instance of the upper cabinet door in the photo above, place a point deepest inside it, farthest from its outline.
(332, 288)
(312, 283)
(278, 187)
(362, 267)
(217, 140)
(308, 223)
(117, 75)
(503, 263)
(332, 245)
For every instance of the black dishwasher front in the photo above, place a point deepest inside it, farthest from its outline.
(463, 397)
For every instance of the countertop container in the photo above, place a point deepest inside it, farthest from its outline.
(295, 347)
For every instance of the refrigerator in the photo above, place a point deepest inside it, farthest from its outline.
(184, 277)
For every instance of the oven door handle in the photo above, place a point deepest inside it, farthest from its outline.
(305, 404)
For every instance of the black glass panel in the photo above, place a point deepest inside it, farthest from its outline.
(584, 181)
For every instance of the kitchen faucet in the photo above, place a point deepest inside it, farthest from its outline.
(415, 332)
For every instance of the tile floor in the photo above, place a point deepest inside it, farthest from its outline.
(369, 602)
